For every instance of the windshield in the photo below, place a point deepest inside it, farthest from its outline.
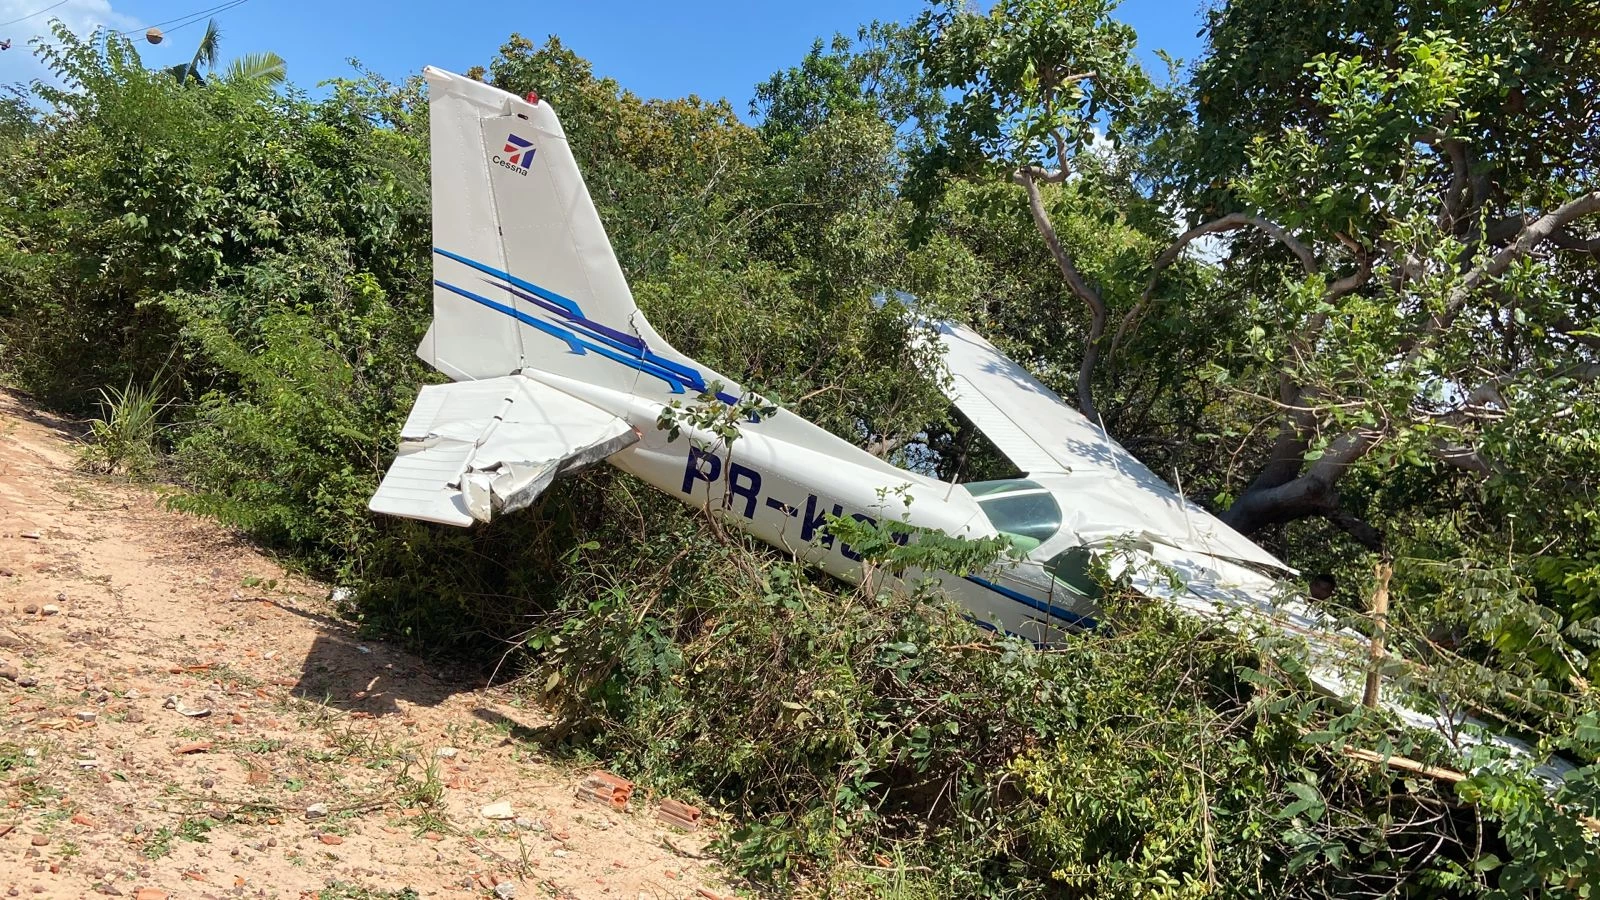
(1003, 486)
(1020, 508)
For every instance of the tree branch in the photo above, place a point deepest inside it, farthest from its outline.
(884, 446)
(1462, 456)
(1567, 327)
(1487, 402)
(1355, 280)
(1286, 459)
(1029, 177)
(1229, 222)
(1455, 196)
(1531, 235)
(1363, 531)
(1340, 455)
(1490, 391)
(1310, 493)
(1568, 241)
(1061, 150)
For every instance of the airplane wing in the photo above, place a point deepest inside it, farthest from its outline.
(476, 448)
(1115, 495)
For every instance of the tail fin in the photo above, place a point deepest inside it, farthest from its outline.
(524, 276)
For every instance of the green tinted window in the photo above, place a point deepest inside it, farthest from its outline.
(1032, 515)
(1003, 486)
(1072, 568)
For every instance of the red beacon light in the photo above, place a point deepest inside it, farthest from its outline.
(533, 97)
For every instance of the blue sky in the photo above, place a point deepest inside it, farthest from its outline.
(714, 49)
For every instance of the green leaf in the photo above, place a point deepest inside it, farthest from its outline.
(263, 68)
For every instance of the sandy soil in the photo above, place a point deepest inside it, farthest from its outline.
(327, 766)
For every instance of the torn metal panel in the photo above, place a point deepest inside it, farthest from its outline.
(474, 449)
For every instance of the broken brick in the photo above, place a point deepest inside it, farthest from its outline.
(196, 747)
(603, 787)
(679, 814)
(330, 839)
(85, 820)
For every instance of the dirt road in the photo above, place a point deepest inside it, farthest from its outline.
(180, 718)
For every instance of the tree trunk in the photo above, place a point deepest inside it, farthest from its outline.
(1288, 489)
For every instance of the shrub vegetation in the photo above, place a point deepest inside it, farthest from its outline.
(232, 275)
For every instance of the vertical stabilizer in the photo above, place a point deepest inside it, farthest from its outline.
(525, 279)
(524, 275)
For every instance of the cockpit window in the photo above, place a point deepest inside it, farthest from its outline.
(1072, 568)
(1030, 514)
(1003, 486)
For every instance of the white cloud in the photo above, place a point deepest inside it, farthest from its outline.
(82, 16)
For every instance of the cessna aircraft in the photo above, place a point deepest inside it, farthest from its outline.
(555, 368)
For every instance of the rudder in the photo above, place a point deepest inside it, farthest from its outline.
(524, 275)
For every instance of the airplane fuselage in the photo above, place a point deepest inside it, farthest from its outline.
(783, 493)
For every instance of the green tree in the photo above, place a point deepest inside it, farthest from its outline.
(1437, 167)
(1031, 79)
(1397, 193)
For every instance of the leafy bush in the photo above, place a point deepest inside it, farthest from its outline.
(1154, 757)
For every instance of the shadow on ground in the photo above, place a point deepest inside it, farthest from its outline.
(344, 672)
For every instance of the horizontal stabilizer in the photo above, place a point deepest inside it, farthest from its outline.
(477, 448)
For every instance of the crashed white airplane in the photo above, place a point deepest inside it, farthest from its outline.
(556, 368)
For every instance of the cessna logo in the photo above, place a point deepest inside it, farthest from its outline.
(518, 155)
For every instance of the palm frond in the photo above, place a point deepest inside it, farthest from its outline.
(206, 53)
(265, 68)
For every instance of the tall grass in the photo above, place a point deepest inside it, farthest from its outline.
(125, 438)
